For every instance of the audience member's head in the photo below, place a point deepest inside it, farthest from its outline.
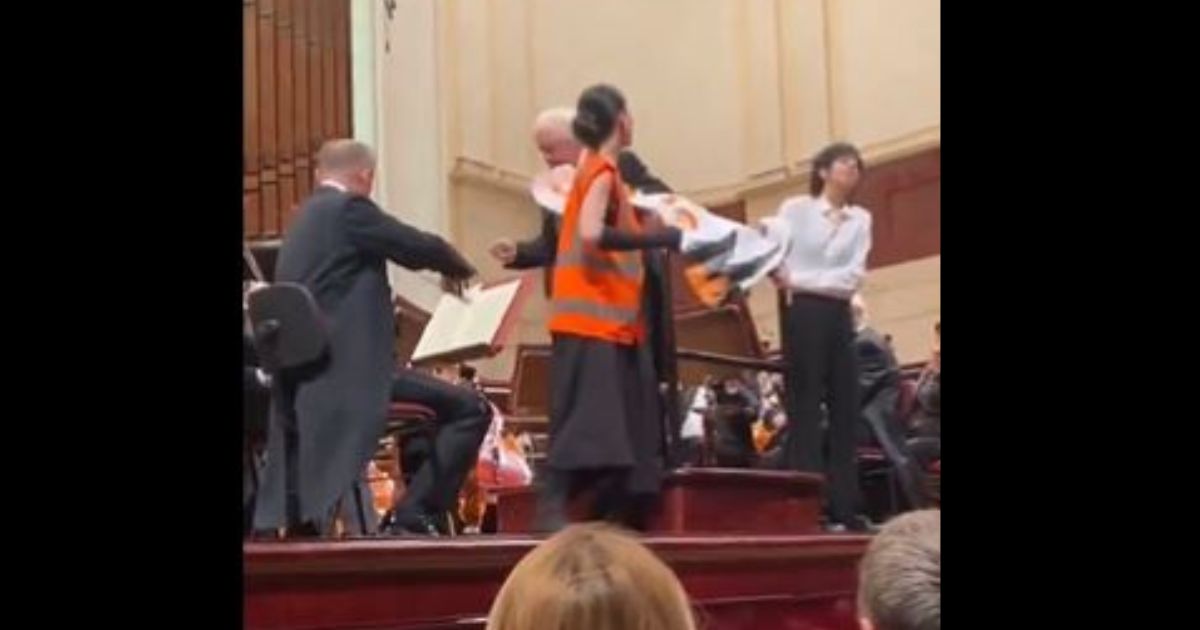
(349, 163)
(900, 579)
(838, 168)
(601, 118)
(591, 577)
(553, 137)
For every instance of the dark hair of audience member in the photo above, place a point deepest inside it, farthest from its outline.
(591, 577)
(596, 114)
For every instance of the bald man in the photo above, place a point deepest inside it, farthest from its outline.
(338, 248)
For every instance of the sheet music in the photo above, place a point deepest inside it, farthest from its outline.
(472, 321)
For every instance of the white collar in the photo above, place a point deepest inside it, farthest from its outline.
(333, 184)
(824, 205)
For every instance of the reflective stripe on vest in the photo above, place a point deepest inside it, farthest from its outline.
(593, 309)
(578, 256)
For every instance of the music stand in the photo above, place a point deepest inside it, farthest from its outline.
(290, 338)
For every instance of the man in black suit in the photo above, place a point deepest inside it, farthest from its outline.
(879, 384)
(338, 248)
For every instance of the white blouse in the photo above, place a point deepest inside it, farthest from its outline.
(829, 247)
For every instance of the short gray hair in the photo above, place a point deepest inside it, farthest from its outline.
(343, 154)
(900, 579)
(555, 117)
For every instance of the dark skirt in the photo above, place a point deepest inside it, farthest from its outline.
(604, 410)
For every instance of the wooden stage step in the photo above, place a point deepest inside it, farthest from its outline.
(703, 501)
(736, 582)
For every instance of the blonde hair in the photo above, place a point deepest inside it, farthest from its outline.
(591, 577)
(900, 580)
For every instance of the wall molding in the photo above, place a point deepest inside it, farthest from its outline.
(785, 176)
(484, 173)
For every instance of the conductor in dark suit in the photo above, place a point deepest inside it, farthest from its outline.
(338, 248)
(879, 386)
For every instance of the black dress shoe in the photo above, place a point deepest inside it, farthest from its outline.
(408, 525)
(303, 530)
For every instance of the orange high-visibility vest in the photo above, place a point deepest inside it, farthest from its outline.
(597, 293)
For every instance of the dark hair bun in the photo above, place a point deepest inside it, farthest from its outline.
(587, 129)
(596, 114)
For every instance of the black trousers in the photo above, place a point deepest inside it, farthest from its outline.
(822, 367)
(463, 418)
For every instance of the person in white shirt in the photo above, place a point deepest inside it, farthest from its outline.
(824, 267)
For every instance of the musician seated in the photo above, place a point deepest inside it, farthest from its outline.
(735, 410)
(463, 418)
(768, 431)
(927, 422)
(697, 403)
(771, 429)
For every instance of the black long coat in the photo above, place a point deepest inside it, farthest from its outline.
(338, 248)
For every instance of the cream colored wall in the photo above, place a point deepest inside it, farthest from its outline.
(406, 121)
(730, 97)
(904, 301)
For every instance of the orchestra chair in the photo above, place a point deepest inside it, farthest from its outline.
(292, 344)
